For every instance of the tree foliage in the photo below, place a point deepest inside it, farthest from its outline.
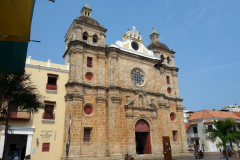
(224, 130)
(18, 91)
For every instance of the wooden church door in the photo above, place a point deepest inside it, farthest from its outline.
(146, 143)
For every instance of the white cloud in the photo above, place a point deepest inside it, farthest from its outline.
(210, 69)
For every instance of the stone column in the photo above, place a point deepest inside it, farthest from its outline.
(101, 69)
(155, 134)
(175, 81)
(182, 129)
(101, 126)
(113, 68)
(162, 88)
(77, 33)
(114, 114)
(76, 64)
(79, 72)
(74, 110)
(168, 121)
(162, 119)
(68, 113)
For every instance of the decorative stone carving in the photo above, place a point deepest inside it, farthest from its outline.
(129, 113)
(154, 115)
(77, 26)
(100, 99)
(167, 107)
(180, 109)
(116, 100)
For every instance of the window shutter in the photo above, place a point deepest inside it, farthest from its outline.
(89, 62)
(87, 135)
(168, 80)
(45, 147)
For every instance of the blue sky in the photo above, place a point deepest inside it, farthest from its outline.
(204, 33)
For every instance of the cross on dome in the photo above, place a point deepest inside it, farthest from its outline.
(134, 27)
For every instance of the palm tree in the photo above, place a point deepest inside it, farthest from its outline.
(225, 130)
(17, 93)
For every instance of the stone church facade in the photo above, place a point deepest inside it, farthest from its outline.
(120, 98)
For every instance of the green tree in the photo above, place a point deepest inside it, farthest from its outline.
(17, 93)
(225, 130)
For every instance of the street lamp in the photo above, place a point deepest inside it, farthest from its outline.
(3, 114)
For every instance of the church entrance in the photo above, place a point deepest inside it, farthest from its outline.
(142, 137)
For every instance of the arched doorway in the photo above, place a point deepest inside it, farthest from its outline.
(142, 137)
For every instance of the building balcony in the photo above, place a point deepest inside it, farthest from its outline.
(194, 135)
(50, 87)
(48, 116)
(20, 115)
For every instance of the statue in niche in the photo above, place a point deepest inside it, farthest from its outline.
(140, 101)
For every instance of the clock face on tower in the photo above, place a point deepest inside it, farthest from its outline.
(135, 46)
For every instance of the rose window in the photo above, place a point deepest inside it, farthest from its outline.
(88, 110)
(137, 77)
(89, 76)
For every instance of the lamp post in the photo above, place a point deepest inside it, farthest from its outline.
(3, 114)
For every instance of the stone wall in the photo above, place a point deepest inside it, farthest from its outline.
(116, 105)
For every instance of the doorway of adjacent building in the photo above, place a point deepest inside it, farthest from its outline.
(16, 146)
(142, 137)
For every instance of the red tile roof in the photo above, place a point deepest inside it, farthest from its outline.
(204, 114)
(208, 121)
(187, 126)
(192, 123)
(237, 113)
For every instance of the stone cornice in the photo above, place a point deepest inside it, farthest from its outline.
(116, 99)
(47, 68)
(75, 42)
(124, 89)
(140, 108)
(76, 97)
(101, 99)
(180, 109)
(167, 107)
(93, 26)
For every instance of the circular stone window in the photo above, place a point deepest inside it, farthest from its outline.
(134, 45)
(172, 116)
(169, 90)
(89, 76)
(137, 77)
(88, 110)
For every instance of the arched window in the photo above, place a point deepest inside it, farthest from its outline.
(85, 13)
(95, 38)
(85, 35)
(172, 116)
(169, 90)
(168, 60)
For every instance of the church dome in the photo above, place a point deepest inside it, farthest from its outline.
(157, 44)
(89, 20)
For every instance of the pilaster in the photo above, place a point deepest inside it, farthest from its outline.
(114, 125)
(101, 115)
(113, 68)
(182, 129)
(101, 69)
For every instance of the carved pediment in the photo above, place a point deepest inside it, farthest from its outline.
(140, 103)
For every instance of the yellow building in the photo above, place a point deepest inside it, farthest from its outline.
(40, 134)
